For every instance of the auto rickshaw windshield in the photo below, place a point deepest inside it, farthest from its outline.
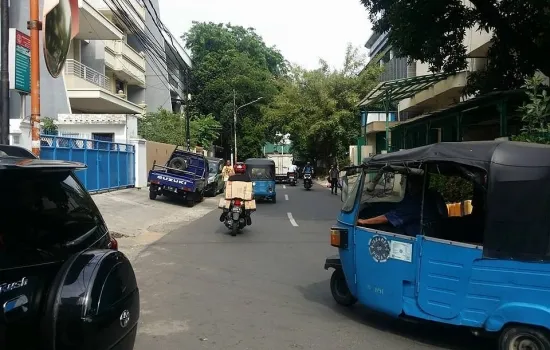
(260, 172)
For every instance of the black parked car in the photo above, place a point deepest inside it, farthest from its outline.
(63, 284)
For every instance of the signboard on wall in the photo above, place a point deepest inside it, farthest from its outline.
(19, 61)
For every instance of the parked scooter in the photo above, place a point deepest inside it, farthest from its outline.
(308, 182)
(292, 178)
(236, 217)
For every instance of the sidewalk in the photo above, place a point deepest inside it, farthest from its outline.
(136, 221)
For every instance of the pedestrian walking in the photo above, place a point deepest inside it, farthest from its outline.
(333, 174)
(227, 171)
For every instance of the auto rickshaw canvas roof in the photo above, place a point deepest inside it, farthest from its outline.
(260, 161)
(479, 154)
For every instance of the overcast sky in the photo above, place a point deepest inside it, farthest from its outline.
(304, 30)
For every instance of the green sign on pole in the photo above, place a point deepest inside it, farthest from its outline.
(20, 61)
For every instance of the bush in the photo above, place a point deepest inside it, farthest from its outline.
(453, 188)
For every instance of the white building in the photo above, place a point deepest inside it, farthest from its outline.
(111, 76)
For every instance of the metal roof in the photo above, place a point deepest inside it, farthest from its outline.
(400, 89)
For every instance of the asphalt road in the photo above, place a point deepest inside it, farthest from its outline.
(265, 289)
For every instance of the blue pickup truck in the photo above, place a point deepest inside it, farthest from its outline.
(184, 175)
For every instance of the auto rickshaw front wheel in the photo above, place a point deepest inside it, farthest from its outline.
(524, 337)
(339, 288)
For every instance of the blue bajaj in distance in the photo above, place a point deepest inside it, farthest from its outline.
(262, 174)
(184, 176)
(400, 253)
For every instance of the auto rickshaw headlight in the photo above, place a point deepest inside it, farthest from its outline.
(339, 237)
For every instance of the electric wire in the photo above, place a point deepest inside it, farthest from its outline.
(153, 46)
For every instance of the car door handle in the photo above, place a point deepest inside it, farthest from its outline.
(20, 303)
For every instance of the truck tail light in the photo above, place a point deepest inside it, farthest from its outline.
(339, 237)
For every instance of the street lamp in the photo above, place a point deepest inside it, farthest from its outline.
(235, 110)
(187, 123)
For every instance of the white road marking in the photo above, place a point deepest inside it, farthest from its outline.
(286, 196)
(284, 187)
(292, 221)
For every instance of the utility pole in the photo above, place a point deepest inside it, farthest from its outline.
(35, 26)
(235, 125)
(4, 74)
(188, 122)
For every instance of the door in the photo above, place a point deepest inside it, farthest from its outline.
(385, 269)
(444, 275)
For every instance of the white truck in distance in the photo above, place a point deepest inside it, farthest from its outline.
(283, 162)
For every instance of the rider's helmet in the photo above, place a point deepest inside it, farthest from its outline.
(240, 168)
(308, 163)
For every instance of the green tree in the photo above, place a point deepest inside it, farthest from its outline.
(521, 32)
(535, 114)
(167, 127)
(230, 59)
(318, 108)
(48, 126)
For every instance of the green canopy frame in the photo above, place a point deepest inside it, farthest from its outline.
(392, 91)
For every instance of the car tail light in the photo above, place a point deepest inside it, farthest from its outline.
(113, 243)
(339, 237)
(237, 202)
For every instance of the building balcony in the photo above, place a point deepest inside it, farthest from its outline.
(174, 82)
(93, 25)
(134, 9)
(90, 91)
(126, 62)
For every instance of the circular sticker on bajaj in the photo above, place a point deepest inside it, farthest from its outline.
(379, 249)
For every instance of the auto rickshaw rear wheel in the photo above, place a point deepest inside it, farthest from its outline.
(339, 289)
(524, 338)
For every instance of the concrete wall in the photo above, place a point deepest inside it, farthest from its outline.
(93, 54)
(159, 152)
(53, 94)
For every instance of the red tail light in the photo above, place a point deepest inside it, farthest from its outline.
(113, 243)
(237, 202)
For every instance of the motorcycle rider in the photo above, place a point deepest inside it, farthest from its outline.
(240, 175)
(294, 169)
(308, 169)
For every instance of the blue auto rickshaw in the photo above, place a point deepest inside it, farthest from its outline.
(262, 174)
(488, 270)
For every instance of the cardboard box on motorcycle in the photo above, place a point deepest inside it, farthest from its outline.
(226, 204)
(241, 190)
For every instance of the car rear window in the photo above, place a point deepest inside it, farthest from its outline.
(45, 209)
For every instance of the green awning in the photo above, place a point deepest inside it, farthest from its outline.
(400, 89)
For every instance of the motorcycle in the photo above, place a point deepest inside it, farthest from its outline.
(308, 182)
(292, 179)
(236, 217)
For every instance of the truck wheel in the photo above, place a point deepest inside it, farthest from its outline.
(152, 193)
(274, 200)
(339, 289)
(524, 337)
(178, 163)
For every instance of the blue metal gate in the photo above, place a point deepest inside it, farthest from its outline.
(110, 165)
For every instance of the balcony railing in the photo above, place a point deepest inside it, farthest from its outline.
(77, 69)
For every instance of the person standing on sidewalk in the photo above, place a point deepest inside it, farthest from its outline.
(333, 174)
(227, 171)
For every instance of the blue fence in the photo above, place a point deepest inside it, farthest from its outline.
(110, 165)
